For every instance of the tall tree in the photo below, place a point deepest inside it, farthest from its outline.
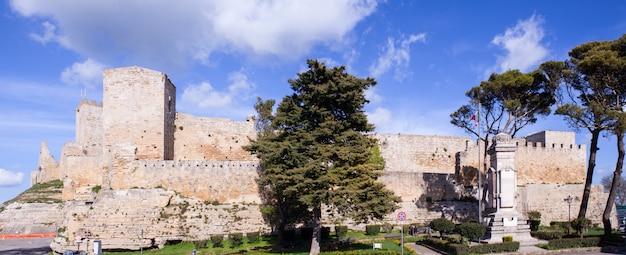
(321, 153)
(508, 102)
(594, 81)
(279, 208)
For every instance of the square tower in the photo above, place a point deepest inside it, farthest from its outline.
(139, 106)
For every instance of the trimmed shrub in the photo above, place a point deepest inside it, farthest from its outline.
(456, 238)
(217, 240)
(253, 237)
(507, 239)
(442, 225)
(372, 230)
(236, 239)
(472, 230)
(567, 243)
(387, 227)
(581, 224)
(199, 244)
(341, 230)
(547, 235)
(458, 249)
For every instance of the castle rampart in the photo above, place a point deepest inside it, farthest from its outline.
(135, 141)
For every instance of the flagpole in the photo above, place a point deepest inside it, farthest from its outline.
(480, 175)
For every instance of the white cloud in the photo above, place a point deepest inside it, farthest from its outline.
(8, 178)
(169, 33)
(396, 54)
(205, 96)
(88, 74)
(48, 34)
(379, 116)
(522, 44)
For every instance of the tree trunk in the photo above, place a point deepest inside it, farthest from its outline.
(593, 150)
(617, 174)
(282, 222)
(317, 231)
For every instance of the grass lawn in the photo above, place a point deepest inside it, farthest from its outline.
(364, 245)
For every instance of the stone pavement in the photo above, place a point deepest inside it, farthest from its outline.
(528, 250)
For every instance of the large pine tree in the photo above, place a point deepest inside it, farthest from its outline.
(320, 152)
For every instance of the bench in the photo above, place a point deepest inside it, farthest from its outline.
(377, 246)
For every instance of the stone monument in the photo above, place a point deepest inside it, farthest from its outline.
(503, 218)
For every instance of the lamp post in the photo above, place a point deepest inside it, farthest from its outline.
(569, 208)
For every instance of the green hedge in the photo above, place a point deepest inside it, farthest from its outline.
(236, 239)
(460, 249)
(547, 235)
(217, 240)
(566, 243)
(372, 230)
(253, 237)
(341, 230)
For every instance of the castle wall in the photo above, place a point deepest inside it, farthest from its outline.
(554, 163)
(89, 129)
(199, 138)
(222, 181)
(418, 153)
(135, 111)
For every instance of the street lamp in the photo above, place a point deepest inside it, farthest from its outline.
(569, 209)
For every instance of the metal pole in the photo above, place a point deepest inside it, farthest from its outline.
(402, 237)
(141, 243)
(480, 174)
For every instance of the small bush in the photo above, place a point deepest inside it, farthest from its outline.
(200, 244)
(458, 249)
(387, 227)
(372, 230)
(456, 238)
(442, 225)
(341, 231)
(547, 235)
(96, 188)
(217, 240)
(253, 237)
(472, 230)
(581, 224)
(567, 243)
(507, 239)
(236, 239)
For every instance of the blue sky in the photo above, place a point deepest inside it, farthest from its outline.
(221, 55)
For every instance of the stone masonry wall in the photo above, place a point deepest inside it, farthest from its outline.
(89, 130)
(199, 138)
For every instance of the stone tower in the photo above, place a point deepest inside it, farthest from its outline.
(139, 106)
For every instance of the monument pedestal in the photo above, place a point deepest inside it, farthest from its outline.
(504, 220)
(508, 223)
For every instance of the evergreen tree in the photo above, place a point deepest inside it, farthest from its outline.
(595, 79)
(320, 152)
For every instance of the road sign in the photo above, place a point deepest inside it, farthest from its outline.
(401, 216)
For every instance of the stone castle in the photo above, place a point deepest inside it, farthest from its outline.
(141, 174)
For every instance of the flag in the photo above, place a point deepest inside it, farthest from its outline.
(475, 119)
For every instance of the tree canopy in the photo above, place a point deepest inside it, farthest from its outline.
(508, 102)
(319, 152)
(595, 92)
